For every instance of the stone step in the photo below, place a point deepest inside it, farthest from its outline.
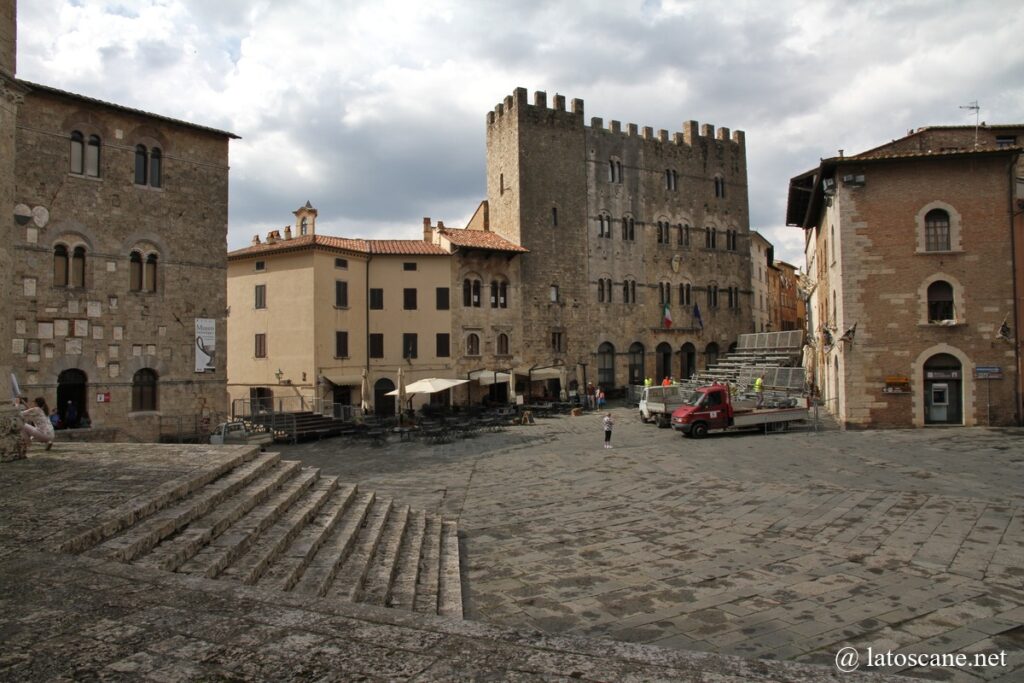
(403, 587)
(146, 534)
(449, 599)
(384, 563)
(286, 570)
(96, 530)
(317, 577)
(226, 548)
(272, 542)
(174, 551)
(430, 565)
(348, 583)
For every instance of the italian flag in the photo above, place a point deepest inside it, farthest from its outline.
(666, 317)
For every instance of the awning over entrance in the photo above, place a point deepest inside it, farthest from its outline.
(487, 377)
(545, 373)
(342, 378)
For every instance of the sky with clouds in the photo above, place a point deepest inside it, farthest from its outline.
(374, 111)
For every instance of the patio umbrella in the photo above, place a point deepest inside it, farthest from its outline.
(364, 391)
(401, 394)
(432, 385)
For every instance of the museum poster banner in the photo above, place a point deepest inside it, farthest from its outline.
(206, 344)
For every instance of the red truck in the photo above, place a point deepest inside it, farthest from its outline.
(711, 408)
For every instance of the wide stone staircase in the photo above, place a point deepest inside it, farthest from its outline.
(259, 520)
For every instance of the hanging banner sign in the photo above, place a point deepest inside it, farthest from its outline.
(206, 344)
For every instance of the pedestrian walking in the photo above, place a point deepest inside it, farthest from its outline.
(607, 421)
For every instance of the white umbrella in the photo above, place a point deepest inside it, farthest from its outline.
(364, 392)
(401, 394)
(487, 377)
(432, 385)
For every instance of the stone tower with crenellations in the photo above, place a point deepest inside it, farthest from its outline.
(623, 225)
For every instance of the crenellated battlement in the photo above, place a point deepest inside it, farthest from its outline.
(517, 104)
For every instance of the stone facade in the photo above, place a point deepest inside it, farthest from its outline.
(111, 270)
(620, 224)
(912, 281)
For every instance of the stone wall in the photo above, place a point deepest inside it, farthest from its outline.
(104, 329)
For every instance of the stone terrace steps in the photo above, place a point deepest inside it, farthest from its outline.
(276, 524)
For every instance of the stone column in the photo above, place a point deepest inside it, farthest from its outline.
(11, 445)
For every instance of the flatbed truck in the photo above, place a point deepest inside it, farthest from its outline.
(711, 408)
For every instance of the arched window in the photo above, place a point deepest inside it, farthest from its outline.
(149, 275)
(473, 344)
(936, 231)
(940, 302)
(60, 266)
(141, 165)
(687, 361)
(555, 295)
(77, 152)
(636, 363)
(606, 365)
(663, 359)
(554, 216)
(144, 394)
(156, 170)
(92, 157)
(304, 226)
(600, 290)
(476, 293)
(467, 293)
(502, 344)
(684, 294)
(494, 293)
(502, 294)
(77, 276)
(712, 296)
(135, 272)
(683, 239)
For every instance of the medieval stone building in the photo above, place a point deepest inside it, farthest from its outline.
(639, 257)
(114, 259)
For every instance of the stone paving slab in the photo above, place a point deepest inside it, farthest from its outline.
(785, 546)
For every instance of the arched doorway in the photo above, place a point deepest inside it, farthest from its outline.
(663, 354)
(72, 386)
(943, 390)
(383, 405)
(687, 361)
(606, 366)
(636, 363)
(710, 355)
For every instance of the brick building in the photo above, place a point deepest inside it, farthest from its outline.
(631, 234)
(762, 255)
(913, 309)
(116, 259)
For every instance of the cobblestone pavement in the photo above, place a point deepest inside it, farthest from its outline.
(782, 546)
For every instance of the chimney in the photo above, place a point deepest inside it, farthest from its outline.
(440, 225)
(256, 239)
(428, 233)
(287, 232)
(840, 154)
(273, 236)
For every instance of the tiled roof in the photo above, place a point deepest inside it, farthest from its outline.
(873, 154)
(93, 100)
(481, 239)
(405, 247)
(362, 246)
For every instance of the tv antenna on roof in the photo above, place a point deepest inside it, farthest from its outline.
(973, 106)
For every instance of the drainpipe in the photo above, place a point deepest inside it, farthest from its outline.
(363, 399)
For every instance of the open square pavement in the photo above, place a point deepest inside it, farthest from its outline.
(785, 546)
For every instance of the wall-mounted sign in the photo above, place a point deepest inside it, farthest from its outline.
(206, 344)
(103, 397)
(942, 374)
(897, 384)
(988, 372)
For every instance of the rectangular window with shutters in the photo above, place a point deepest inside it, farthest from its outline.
(261, 345)
(409, 345)
(408, 266)
(341, 294)
(376, 345)
(443, 297)
(376, 299)
(409, 299)
(261, 296)
(341, 344)
(444, 345)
